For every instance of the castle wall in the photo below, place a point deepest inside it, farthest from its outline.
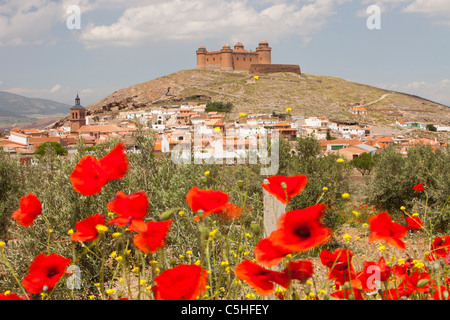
(244, 60)
(269, 68)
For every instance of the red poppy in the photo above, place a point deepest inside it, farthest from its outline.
(301, 230)
(345, 294)
(115, 163)
(294, 185)
(383, 228)
(12, 296)
(30, 207)
(131, 210)
(414, 223)
(154, 237)
(410, 281)
(209, 201)
(373, 272)
(440, 247)
(299, 270)
(90, 175)
(395, 293)
(44, 272)
(87, 228)
(268, 254)
(439, 293)
(230, 212)
(184, 282)
(340, 266)
(419, 187)
(260, 279)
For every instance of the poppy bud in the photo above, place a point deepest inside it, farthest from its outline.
(422, 283)
(445, 295)
(284, 185)
(436, 266)
(241, 248)
(166, 215)
(347, 285)
(351, 297)
(45, 288)
(240, 184)
(204, 180)
(255, 228)
(173, 262)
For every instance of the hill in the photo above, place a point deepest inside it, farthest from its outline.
(307, 95)
(19, 110)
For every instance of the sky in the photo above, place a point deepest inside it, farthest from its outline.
(56, 49)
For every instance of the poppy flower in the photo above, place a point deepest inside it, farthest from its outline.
(12, 296)
(411, 281)
(301, 230)
(414, 223)
(294, 185)
(131, 210)
(373, 272)
(90, 174)
(439, 293)
(115, 163)
(299, 270)
(87, 228)
(419, 187)
(440, 247)
(383, 228)
(268, 254)
(345, 294)
(259, 278)
(44, 272)
(184, 282)
(154, 237)
(230, 212)
(395, 293)
(209, 201)
(340, 266)
(30, 207)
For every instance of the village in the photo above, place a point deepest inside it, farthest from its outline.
(176, 125)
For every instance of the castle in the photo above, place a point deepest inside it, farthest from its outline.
(256, 62)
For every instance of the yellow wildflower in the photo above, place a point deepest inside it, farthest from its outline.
(101, 228)
(181, 213)
(70, 231)
(111, 291)
(347, 237)
(345, 195)
(340, 160)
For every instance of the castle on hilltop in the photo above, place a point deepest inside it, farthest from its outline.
(256, 62)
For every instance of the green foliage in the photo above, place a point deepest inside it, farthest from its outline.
(430, 127)
(219, 106)
(391, 185)
(364, 163)
(51, 147)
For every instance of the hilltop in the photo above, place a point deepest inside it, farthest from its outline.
(307, 95)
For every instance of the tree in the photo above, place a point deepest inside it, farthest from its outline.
(364, 163)
(308, 147)
(430, 127)
(51, 146)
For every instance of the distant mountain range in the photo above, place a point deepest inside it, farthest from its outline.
(16, 110)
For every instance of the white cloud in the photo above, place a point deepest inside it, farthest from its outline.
(434, 91)
(1, 82)
(182, 20)
(438, 10)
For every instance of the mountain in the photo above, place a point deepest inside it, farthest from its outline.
(307, 95)
(22, 111)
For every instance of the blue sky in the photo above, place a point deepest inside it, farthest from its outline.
(125, 42)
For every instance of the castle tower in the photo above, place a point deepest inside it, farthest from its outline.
(239, 46)
(227, 58)
(77, 116)
(201, 57)
(264, 53)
